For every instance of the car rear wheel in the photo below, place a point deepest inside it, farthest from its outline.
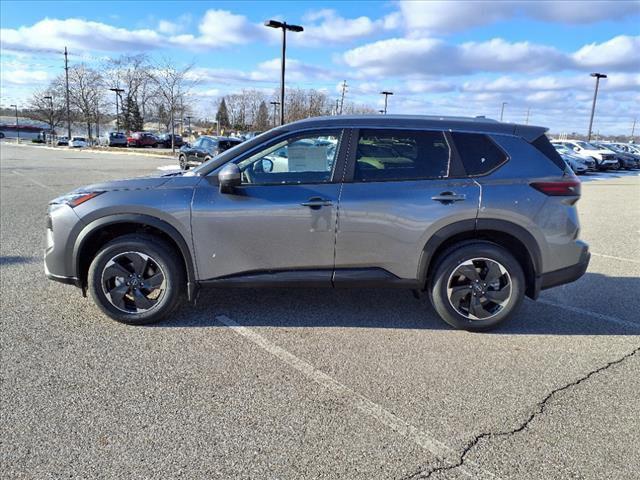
(136, 279)
(477, 286)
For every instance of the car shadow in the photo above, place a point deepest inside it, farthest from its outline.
(399, 309)
(15, 259)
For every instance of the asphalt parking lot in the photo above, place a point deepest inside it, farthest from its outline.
(289, 384)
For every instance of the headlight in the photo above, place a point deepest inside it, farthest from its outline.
(75, 199)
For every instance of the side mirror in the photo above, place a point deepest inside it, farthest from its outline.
(229, 177)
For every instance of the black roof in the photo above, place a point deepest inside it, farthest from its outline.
(463, 124)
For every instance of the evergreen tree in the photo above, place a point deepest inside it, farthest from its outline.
(262, 117)
(137, 122)
(223, 115)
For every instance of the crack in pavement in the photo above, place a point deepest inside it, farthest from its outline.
(540, 407)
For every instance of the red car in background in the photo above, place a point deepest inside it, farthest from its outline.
(142, 139)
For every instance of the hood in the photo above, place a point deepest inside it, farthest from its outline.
(140, 183)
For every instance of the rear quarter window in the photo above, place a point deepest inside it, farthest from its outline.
(478, 153)
(543, 145)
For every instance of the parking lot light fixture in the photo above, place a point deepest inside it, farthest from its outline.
(293, 28)
(117, 91)
(386, 96)
(502, 110)
(597, 76)
(17, 124)
(50, 98)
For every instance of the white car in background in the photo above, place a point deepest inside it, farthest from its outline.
(604, 158)
(578, 164)
(78, 142)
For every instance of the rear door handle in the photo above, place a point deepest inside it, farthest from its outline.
(316, 202)
(449, 197)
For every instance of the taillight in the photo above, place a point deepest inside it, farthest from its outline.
(564, 188)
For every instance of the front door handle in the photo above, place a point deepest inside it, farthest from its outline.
(317, 202)
(449, 197)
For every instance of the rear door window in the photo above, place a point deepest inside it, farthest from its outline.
(478, 153)
(397, 155)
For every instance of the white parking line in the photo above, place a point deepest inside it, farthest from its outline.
(615, 258)
(356, 400)
(47, 187)
(600, 316)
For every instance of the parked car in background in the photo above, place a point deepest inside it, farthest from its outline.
(574, 160)
(116, 139)
(142, 139)
(62, 141)
(476, 230)
(78, 142)
(604, 158)
(204, 149)
(625, 160)
(164, 140)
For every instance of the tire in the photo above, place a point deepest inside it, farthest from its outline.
(491, 262)
(137, 305)
(182, 160)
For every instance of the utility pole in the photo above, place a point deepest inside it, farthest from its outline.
(275, 111)
(66, 74)
(386, 95)
(633, 129)
(344, 89)
(188, 117)
(284, 26)
(598, 76)
(527, 120)
(117, 91)
(502, 110)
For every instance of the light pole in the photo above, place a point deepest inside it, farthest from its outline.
(117, 91)
(50, 98)
(502, 111)
(284, 26)
(275, 111)
(595, 96)
(386, 95)
(17, 124)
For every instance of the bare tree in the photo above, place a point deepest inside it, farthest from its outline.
(171, 86)
(132, 74)
(86, 94)
(48, 105)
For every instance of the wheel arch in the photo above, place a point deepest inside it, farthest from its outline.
(514, 238)
(102, 230)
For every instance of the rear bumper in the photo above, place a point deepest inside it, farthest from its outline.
(565, 275)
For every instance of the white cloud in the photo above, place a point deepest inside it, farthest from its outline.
(620, 53)
(449, 16)
(431, 56)
(264, 72)
(327, 26)
(23, 77)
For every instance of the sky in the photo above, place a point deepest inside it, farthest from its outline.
(438, 57)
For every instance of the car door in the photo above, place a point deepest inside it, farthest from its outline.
(280, 219)
(401, 187)
(192, 153)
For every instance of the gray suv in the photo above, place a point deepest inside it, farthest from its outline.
(474, 212)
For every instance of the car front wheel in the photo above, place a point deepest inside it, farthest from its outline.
(182, 161)
(477, 286)
(136, 279)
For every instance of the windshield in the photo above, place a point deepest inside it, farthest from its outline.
(586, 146)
